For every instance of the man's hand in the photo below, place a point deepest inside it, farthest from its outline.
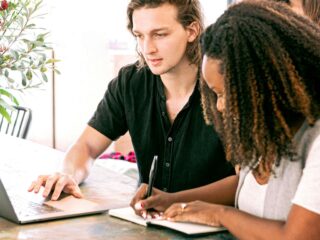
(58, 182)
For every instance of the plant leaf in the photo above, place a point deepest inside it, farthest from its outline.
(53, 60)
(29, 75)
(9, 95)
(44, 77)
(6, 73)
(4, 113)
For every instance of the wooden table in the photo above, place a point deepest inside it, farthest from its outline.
(34, 159)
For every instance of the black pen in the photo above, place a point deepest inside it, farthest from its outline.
(152, 175)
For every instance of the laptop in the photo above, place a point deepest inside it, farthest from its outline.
(24, 207)
(22, 160)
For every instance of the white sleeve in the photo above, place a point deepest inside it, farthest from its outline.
(308, 191)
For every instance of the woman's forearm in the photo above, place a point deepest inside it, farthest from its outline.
(245, 226)
(220, 192)
(301, 224)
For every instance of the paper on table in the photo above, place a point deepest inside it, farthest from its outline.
(187, 228)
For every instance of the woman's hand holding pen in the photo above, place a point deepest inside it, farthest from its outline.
(159, 201)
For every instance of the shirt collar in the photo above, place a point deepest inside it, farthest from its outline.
(160, 88)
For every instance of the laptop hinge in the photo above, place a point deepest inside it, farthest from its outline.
(6, 208)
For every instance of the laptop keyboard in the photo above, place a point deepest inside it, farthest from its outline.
(26, 207)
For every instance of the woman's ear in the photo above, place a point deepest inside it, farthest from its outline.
(193, 31)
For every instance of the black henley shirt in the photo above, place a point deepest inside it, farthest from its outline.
(190, 153)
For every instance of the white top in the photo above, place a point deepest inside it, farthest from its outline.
(308, 191)
(252, 195)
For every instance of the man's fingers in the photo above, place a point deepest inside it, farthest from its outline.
(75, 191)
(39, 183)
(49, 185)
(31, 187)
(57, 183)
(60, 184)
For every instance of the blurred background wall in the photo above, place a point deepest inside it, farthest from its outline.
(92, 42)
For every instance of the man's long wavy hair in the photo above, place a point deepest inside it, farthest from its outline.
(312, 9)
(270, 60)
(189, 11)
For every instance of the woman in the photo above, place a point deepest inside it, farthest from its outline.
(262, 73)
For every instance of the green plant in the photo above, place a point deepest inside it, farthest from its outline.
(23, 50)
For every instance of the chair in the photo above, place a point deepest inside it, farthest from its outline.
(20, 122)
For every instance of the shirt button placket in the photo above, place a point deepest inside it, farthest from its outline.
(167, 164)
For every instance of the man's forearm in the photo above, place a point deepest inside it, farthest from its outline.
(77, 163)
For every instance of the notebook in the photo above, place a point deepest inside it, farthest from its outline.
(128, 214)
(23, 207)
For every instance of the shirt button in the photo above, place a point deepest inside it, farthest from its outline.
(167, 164)
(170, 139)
(163, 114)
(165, 189)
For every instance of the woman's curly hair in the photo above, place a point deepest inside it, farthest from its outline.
(270, 60)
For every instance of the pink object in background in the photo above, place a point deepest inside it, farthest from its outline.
(130, 157)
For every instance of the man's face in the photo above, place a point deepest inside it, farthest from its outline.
(161, 39)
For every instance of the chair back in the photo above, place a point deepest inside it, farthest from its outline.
(20, 122)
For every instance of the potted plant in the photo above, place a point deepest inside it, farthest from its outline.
(24, 50)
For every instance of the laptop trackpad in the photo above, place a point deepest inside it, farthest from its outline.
(71, 203)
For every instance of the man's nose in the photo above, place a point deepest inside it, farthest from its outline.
(149, 46)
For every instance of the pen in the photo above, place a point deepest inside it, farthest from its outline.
(152, 175)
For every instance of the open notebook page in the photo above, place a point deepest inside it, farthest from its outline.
(187, 228)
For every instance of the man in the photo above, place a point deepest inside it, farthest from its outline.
(296, 5)
(158, 102)
(312, 9)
